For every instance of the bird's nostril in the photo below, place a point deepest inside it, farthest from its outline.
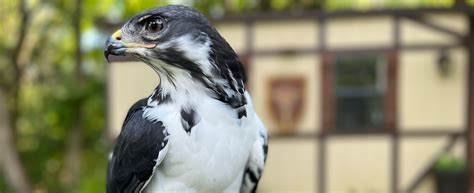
(117, 35)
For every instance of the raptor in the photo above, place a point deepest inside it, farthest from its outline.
(197, 132)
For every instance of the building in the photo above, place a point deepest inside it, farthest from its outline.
(355, 102)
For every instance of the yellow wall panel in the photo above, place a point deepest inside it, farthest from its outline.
(427, 99)
(285, 34)
(358, 164)
(415, 155)
(127, 83)
(415, 33)
(291, 167)
(234, 34)
(455, 22)
(359, 32)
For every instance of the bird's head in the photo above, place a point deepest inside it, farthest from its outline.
(176, 40)
(154, 32)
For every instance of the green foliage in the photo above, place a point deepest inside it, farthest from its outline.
(49, 92)
(449, 163)
(3, 185)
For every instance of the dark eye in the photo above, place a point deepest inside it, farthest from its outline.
(154, 25)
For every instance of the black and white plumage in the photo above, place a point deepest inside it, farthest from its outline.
(198, 131)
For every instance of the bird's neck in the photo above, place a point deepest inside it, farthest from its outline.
(180, 86)
(177, 86)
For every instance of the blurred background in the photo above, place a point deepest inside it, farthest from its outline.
(359, 96)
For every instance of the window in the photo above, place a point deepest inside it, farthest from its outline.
(360, 83)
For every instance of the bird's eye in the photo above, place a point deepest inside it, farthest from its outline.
(154, 25)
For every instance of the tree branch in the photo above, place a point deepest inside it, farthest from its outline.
(24, 22)
(13, 168)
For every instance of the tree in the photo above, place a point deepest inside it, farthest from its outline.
(9, 102)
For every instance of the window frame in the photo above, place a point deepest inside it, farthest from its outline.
(389, 118)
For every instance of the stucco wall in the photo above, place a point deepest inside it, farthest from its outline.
(359, 32)
(127, 82)
(428, 99)
(291, 167)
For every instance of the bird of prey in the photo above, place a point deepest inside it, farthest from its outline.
(197, 132)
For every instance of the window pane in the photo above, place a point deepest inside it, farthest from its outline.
(359, 114)
(359, 92)
(356, 71)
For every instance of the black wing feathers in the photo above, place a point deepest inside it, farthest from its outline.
(254, 168)
(135, 152)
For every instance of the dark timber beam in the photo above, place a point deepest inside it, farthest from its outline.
(425, 22)
(429, 168)
(326, 99)
(390, 105)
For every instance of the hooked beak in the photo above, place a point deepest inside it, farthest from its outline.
(115, 45)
